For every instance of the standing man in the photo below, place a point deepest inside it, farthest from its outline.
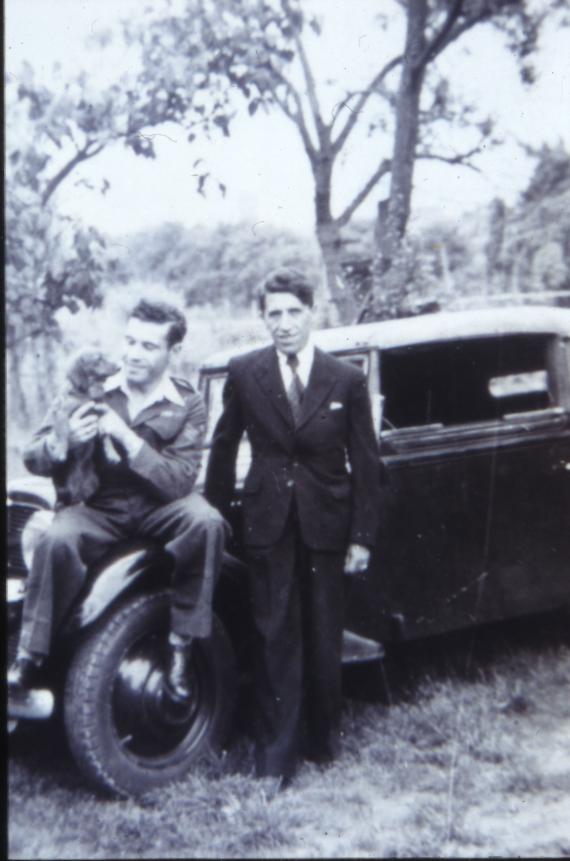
(158, 424)
(306, 518)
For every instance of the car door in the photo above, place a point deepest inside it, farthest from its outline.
(474, 514)
(529, 547)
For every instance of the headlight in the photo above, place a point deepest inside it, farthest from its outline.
(33, 531)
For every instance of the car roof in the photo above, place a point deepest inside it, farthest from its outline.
(426, 328)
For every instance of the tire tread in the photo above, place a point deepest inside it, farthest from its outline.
(80, 701)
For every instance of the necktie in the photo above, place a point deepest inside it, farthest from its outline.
(296, 389)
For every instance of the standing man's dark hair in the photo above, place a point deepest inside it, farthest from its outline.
(162, 312)
(286, 280)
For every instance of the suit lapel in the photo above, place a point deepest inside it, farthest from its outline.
(321, 381)
(268, 376)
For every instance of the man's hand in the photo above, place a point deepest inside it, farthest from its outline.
(357, 559)
(111, 423)
(83, 424)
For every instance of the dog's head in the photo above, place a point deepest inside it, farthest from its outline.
(89, 371)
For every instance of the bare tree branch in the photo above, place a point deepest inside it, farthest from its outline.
(297, 117)
(89, 150)
(383, 168)
(486, 12)
(460, 158)
(432, 48)
(307, 74)
(338, 144)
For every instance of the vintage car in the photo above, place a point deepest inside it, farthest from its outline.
(472, 411)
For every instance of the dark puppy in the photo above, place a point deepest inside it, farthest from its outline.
(76, 479)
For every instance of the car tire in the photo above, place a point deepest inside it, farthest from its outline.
(125, 734)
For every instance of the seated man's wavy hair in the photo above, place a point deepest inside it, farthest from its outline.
(162, 312)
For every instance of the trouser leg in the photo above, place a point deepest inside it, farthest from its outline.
(76, 538)
(195, 534)
(278, 657)
(322, 602)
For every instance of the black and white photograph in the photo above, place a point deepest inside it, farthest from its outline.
(287, 428)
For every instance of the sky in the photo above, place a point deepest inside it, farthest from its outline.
(263, 164)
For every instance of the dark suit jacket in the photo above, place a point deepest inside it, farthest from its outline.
(164, 469)
(335, 506)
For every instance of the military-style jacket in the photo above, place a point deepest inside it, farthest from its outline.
(166, 466)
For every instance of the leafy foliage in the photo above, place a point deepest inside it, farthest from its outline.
(535, 249)
(431, 27)
(222, 265)
(262, 48)
(52, 261)
(494, 255)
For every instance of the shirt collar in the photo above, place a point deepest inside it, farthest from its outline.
(305, 356)
(165, 390)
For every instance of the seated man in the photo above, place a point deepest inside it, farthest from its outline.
(157, 423)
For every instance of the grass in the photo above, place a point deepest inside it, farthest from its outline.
(471, 759)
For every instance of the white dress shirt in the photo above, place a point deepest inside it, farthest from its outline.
(305, 357)
(164, 390)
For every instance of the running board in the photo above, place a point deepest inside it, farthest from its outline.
(357, 649)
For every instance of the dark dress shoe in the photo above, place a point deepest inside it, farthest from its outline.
(320, 756)
(179, 683)
(322, 752)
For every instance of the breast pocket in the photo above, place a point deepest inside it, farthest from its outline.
(166, 428)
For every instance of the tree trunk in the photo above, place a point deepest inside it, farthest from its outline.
(341, 306)
(340, 302)
(388, 287)
(494, 247)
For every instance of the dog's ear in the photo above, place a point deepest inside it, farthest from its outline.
(77, 375)
(104, 367)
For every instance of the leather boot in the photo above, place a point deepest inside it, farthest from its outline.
(179, 672)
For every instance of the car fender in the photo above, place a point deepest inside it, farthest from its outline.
(142, 563)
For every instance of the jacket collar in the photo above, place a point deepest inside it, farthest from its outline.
(268, 375)
(165, 390)
(321, 381)
(305, 358)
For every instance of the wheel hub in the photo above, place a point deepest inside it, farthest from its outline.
(148, 721)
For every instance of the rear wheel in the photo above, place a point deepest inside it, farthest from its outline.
(124, 734)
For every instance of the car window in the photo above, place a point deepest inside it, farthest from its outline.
(469, 380)
(359, 359)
